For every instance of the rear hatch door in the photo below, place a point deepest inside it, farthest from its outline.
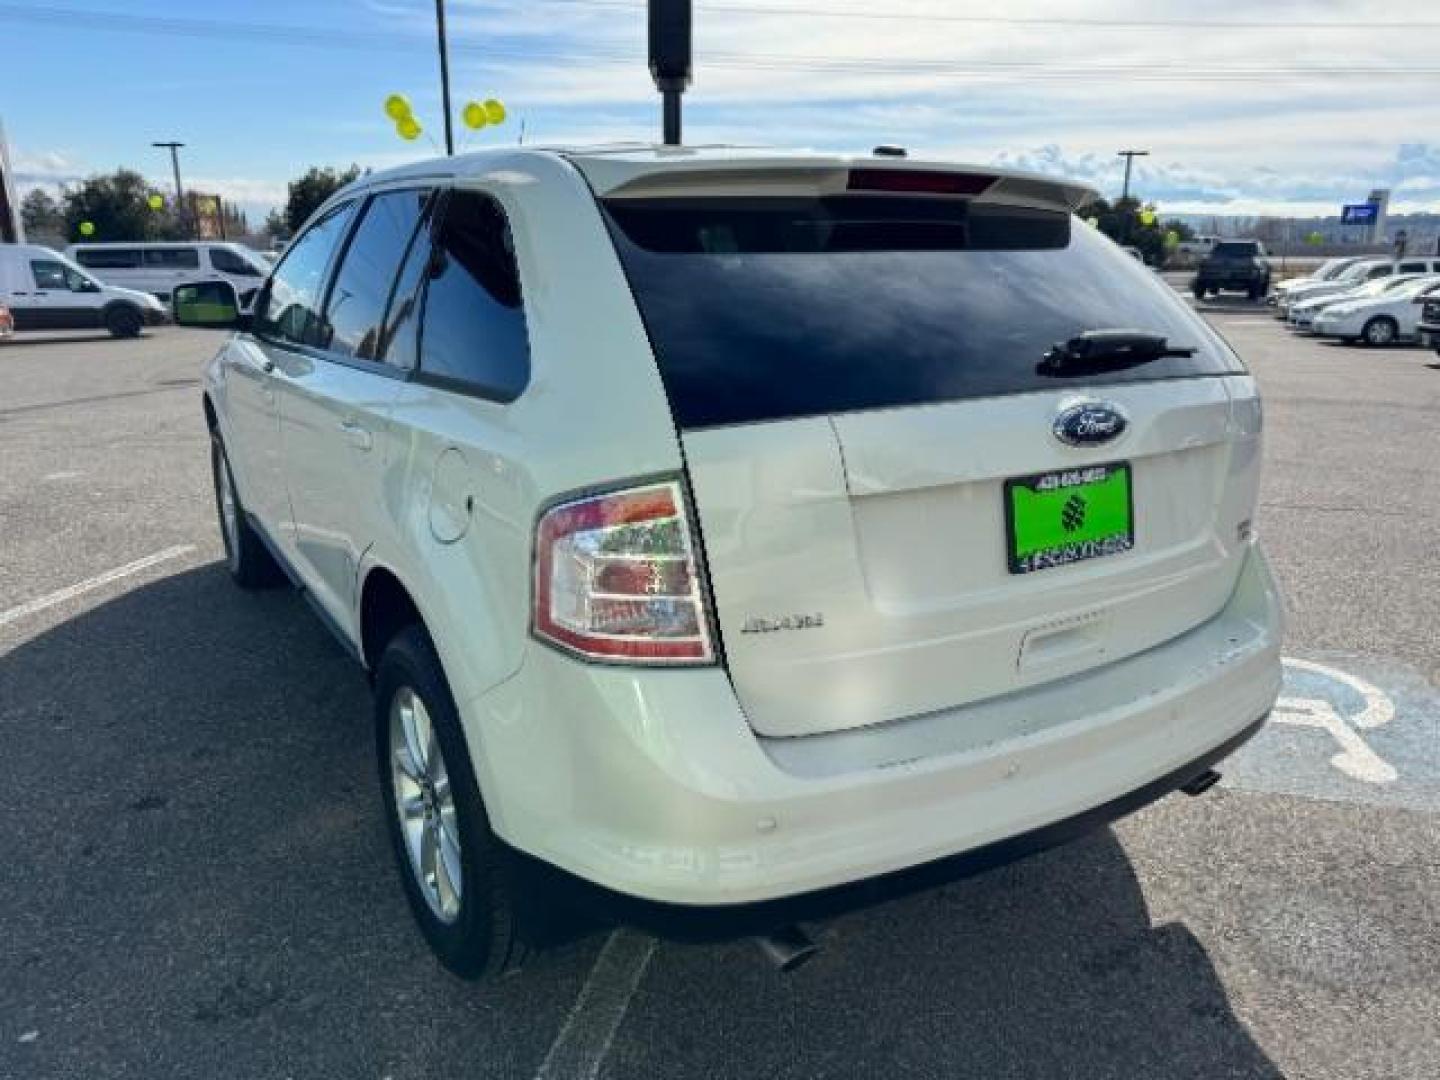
(902, 510)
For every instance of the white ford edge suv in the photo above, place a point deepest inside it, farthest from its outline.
(734, 535)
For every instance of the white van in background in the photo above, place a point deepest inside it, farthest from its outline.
(1198, 246)
(46, 291)
(158, 267)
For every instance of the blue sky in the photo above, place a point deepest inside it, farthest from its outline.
(1329, 99)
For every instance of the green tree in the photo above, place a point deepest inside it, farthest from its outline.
(40, 214)
(118, 205)
(276, 227)
(1122, 221)
(307, 192)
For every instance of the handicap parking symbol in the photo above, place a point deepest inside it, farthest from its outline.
(1309, 702)
(1349, 727)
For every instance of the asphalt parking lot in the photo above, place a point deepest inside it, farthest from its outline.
(195, 879)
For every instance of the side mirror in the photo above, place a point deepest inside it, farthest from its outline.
(88, 286)
(210, 305)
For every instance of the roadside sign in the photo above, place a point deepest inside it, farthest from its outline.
(1358, 213)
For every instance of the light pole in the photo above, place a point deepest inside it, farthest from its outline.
(174, 148)
(444, 76)
(1129, 156)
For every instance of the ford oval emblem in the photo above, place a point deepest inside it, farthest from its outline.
(1090, 423)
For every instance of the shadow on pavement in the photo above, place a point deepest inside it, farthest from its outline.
(197, 883)
(196, 879)
(1046, 968)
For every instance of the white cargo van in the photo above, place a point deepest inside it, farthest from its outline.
(46, 291)
(157, 268)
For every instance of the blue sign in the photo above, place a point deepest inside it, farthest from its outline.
(1357, 213)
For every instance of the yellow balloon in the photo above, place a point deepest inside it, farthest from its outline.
(397, 107)
(474, 115)
(156, 202)
(494, 110)
(87, 228)
(1147, 216)
(408, 128)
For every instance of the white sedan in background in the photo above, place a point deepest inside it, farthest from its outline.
(1303, 312)
(1391, 316)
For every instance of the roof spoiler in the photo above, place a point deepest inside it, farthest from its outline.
(706, 179)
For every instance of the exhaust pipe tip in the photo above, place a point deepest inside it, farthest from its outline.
(1202, 783)
(787, 947)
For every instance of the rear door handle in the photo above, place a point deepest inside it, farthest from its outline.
(357, 436)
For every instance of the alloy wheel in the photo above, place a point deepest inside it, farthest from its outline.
(425, 804)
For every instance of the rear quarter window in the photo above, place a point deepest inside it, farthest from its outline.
(765, 308)
(473, 335)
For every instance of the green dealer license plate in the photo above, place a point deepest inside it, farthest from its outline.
(1062, 517)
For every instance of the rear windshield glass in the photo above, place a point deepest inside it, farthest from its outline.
(767, 308)
(1237, 251)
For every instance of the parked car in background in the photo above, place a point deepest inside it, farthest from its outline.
(1197, 247)
(964, 589)
(1233, 266)
(1390, 316)
(156, 268)
(1303, 312)
(44, 290)
(1326, 271)
(1353, 277)
(1428, 331)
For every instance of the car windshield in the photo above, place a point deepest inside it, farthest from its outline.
(1358, 272)
(1332, 269)
(1416, 286)
(770, 308)
(1234, 250)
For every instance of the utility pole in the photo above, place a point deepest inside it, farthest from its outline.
(444, 77)
(1129, 156)
(174, 148)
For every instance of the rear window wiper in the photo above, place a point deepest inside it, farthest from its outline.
(1109, 348)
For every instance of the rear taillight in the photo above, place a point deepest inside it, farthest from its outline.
(616, 578)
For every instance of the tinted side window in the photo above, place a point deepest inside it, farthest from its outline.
(108, 258)
(227, 262)
(474, 323)
(367, 272)
(172, 258)
(1413, 267)
(290, 310)
(400, 336)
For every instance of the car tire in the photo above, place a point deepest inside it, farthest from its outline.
(443, 838)
(124, 321)
(1199, 292)
(1381, 330)
(246, 557)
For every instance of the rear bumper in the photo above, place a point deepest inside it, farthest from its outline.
(156, 318)
(653, 787)
(1430, 337)
(692, 922)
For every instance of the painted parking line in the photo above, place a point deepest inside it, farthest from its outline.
(1352, 728)
(585, 1037)
(99, 581)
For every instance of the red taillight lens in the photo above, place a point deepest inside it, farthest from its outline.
(616, 578)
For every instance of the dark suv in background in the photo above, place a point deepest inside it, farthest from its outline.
(1236, 266)
(1429, 329)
